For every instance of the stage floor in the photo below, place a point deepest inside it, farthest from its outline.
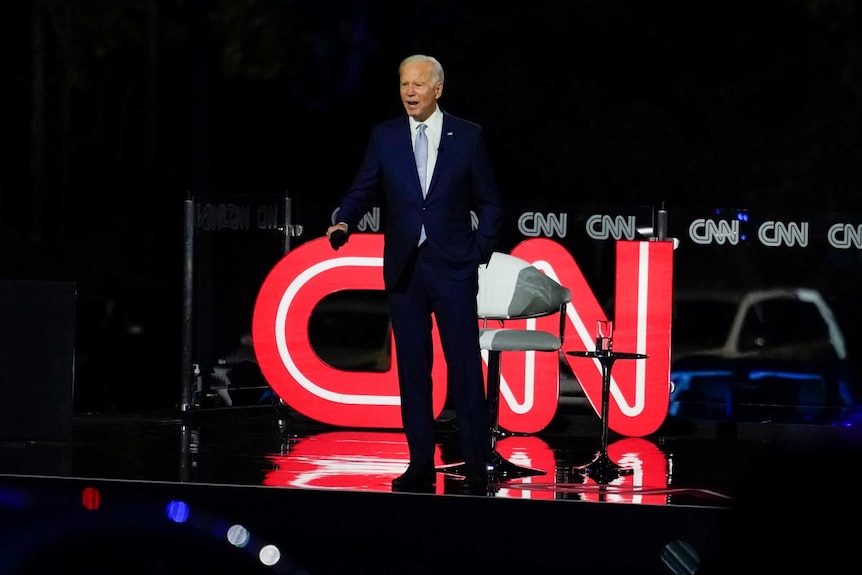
(273, 446)
(693, 498)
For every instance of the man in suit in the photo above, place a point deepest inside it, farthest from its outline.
(431, 258)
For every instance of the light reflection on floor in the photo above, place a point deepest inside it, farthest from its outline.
(704, 464)
(367, 460)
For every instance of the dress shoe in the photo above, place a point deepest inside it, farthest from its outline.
(417, 478)
(476, 479)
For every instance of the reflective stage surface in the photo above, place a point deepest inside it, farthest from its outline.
(696, 497)
(275, 447)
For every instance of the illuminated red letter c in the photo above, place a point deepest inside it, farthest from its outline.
(286, 357)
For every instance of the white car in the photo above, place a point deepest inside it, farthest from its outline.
(759, 355)
(779, 323)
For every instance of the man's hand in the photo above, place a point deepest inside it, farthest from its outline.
(337, 235)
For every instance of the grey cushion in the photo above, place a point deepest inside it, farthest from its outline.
(518, 340)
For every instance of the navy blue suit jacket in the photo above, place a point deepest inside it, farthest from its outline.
(463, 180)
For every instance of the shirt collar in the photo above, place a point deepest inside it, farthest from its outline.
(434, 121)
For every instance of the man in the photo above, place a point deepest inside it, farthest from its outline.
(431, 258)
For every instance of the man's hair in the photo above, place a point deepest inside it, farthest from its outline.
(436, 67)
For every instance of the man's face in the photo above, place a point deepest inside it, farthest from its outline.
(418, 92)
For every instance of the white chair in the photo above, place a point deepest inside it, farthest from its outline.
(512, 289)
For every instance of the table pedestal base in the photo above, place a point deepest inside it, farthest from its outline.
(603, 470)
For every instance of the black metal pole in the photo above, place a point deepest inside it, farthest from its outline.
(188, 301)
(607, 362)
(288, 221)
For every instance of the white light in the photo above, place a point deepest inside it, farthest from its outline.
(238, 536)
(269, 555)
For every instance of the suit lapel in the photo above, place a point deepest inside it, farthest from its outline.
(404, 143)
(447, 139)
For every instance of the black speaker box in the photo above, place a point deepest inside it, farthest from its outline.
(37, 349)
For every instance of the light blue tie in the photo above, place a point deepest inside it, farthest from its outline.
(420, 151)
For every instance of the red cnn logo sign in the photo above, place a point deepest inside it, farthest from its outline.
(529, 384)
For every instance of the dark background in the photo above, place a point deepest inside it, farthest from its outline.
(115, 111)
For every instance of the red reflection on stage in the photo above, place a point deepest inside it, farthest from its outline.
(533, 452)
(363, 460)
(646, 484)
(370, 460)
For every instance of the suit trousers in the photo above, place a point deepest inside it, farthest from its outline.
(427, 288)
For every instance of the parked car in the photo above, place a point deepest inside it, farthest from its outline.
(765, 355)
